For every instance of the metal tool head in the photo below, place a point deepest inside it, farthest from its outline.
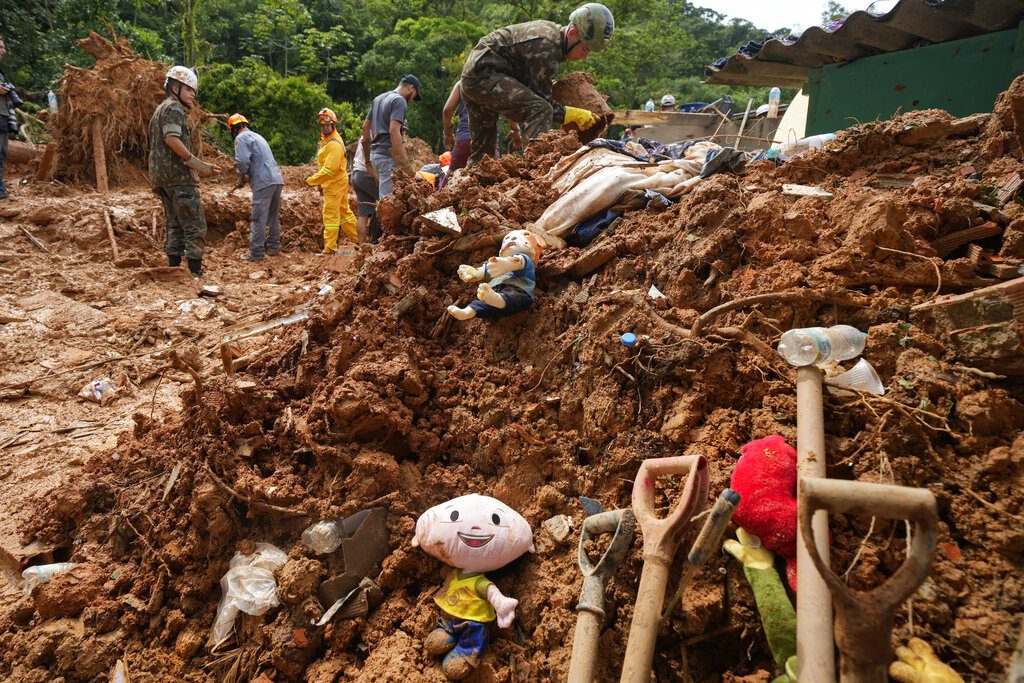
(622, 524)
(661, 536)
(864, 619)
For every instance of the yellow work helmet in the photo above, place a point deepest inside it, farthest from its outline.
(327, 116)
(236, 119)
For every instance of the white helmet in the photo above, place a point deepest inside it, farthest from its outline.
(182, 74)
(668, 101)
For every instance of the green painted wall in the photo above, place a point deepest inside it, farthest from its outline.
(962, 76)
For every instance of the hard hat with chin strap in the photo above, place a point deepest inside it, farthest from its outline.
(183, 75)
(327, 116)
(595, 24)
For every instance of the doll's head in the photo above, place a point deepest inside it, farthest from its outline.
(521, 242)
(474, 533)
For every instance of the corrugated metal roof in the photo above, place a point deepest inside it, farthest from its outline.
(863, 34)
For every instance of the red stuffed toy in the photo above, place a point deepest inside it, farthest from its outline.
(765, 478)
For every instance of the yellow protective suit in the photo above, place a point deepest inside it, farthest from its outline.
(332, 177)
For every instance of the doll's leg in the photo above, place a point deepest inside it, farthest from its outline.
(461, 313)
(441, 640)
(490, 297)
(466, 656)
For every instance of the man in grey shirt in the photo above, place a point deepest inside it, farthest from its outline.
(382, 133)
(5, 113)
(254, 159)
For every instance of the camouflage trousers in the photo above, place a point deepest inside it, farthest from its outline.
(494, 94)
(186, 222)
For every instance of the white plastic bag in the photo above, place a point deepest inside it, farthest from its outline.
(248, 586)
(100, 391)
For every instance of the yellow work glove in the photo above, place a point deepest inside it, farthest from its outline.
(581, 118)
(918, 664)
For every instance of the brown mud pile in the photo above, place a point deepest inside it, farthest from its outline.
(368, 406)
(578, 90)
(120, 91)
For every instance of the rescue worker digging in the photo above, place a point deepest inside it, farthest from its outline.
(509, 73)
(255, 160)
(172, 169)
(332, 178)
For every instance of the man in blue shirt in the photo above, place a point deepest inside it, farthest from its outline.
(255, 160)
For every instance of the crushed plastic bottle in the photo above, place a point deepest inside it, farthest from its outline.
(42, 573)
(100, 391)
(323, 537)
(813, 345)
(51, 100)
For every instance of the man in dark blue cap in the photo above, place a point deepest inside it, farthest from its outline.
(382, 133)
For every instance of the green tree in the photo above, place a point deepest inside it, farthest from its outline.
(326, 55)
(833, 11)
(275, 26)
(281, 109)
(422, 47)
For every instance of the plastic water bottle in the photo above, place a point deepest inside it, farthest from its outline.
(812, 345)
(33, 576)
(51, 98)
(323, 537)
(774, 95)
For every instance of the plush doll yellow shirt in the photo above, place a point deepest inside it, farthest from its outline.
(332, 177)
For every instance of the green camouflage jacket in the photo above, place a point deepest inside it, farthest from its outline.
(530, 53)
(167, 169)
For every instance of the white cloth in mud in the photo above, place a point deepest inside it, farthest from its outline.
(593, 179)
(473, 533)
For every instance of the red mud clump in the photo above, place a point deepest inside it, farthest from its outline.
(368, 404)
(578, 90)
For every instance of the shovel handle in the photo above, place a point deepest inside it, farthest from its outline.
(864, 619)
(662, 535)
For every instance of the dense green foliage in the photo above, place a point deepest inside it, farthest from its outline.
(279, 61)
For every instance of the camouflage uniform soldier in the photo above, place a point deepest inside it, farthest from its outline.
(509, 73)
(171, 166)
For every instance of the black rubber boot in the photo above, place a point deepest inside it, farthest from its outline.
(173, 261)
(195, 266)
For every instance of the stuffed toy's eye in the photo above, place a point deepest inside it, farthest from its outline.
(496, 519)
(454, 516)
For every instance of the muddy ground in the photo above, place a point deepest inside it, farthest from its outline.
(361, 406)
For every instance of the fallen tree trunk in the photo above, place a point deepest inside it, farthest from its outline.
(23, 152)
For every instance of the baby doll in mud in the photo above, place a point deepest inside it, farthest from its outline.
(471, 534)
(512, 275)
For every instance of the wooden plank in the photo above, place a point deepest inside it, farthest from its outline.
(746, 114)
(110, 235)
(49, 154)
(99, 156)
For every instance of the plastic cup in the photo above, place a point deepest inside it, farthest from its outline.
(861, 376)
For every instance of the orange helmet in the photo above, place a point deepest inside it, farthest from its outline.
(446, 159)
(236, 119)
(327, 116)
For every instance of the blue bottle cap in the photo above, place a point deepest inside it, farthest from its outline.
(629, 339)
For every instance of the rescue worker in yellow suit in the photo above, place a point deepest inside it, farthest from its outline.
(332, 178)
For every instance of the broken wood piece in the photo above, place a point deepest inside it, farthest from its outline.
(1008, 187)
(46, 163)
(258, 328)
(35, 242)
(228, 353)
(937, 130)
(947, 244)
(443, 220)
(593, 258)
(110, 236)
(171, 481)
(1003, 271)
(408, 301)
(794, 190)
(99, 156)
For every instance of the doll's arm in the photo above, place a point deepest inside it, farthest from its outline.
(499, 265)
(504, 607)
(468, 273)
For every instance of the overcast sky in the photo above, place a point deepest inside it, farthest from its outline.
(773, 14)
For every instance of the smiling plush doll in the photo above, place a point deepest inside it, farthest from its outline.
(512, 274)
(472, 534)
